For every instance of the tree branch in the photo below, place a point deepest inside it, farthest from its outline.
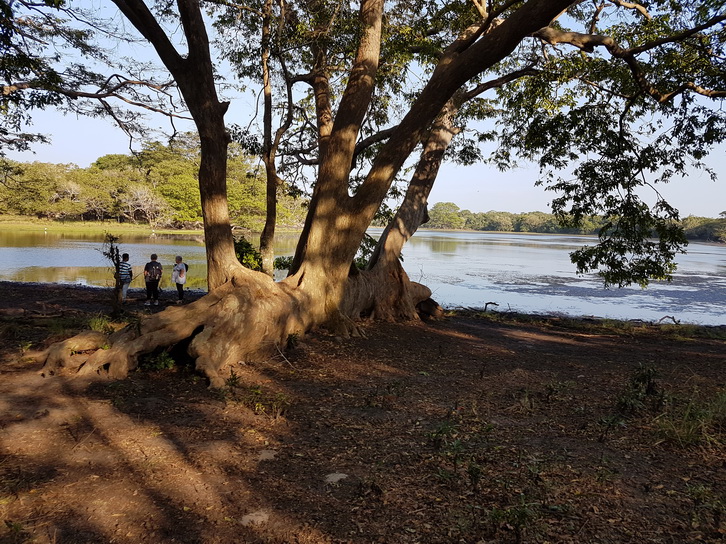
(361, 81)
(500, 81)
(235, 5)
(147, 25)
(195, 30)
(588, 43)
(713, 21)
(490, 20)
(585, 42)
(634, 6)
(111, 93)
(373, 139)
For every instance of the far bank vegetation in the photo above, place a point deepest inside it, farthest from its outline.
(447, 215)
(157, 186)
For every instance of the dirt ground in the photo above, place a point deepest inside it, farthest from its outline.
(468, 429)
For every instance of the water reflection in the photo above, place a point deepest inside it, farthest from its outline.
(77, 258)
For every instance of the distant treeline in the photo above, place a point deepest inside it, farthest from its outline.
(157, 185)
(447, 215)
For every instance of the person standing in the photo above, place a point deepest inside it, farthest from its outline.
(125, 274)
(152, 274)
(179, 276)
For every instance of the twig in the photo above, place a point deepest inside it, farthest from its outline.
(672, 318)
(285, 358)
(582, 526)
(83, 439)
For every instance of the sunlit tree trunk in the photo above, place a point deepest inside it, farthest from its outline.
(384, 290)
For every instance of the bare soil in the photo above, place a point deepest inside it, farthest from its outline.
(467, 429)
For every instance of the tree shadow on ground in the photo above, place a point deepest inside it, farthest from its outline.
(458, 429)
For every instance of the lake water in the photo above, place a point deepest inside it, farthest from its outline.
(518, 272)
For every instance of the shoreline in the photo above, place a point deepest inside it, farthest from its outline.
(18, 298)
(33, 298)
(23, 224)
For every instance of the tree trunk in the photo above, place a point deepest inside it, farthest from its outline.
(222, 264)
(267, 237)
(384, 290)
(194, 75)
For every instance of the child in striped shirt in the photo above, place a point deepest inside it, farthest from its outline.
(125, 274)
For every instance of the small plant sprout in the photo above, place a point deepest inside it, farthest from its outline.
(233, 380)
(100, 323)
(474, 471)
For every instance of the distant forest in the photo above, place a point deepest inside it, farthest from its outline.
(447, 215)
(158, 186)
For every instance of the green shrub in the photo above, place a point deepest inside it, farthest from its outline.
(283, 263)
(268, 403)
(160, 361)
(100, 323)
(247, 254)
(641, 393)
(694, 422)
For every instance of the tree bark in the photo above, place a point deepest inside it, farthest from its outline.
(384, 290)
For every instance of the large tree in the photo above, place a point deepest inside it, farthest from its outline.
(596, 105)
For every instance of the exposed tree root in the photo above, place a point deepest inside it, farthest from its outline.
(248, 318)
(386, 293)
(60, 355)
(242, 320)
(342, 325)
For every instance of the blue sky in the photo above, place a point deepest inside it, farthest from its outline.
(477, 188)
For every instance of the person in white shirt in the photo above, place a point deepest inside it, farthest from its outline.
(179, 277)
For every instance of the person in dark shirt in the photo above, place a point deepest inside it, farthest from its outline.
(152, 274)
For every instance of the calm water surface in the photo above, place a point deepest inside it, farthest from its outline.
(520, 272)
(533, 273)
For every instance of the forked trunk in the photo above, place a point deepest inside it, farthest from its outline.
(246, 315)
(331, 240)
(384, 290)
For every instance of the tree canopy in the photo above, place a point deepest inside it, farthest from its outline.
(609, 98)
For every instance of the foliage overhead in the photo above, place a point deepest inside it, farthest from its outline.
(610, 100)
(57, 53)
(634, 102)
